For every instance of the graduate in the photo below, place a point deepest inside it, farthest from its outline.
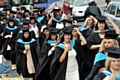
(26, 55)
(110, 40)
(96, 37)
(66, 60)
(56, 21)
(88, 26)
(86, 31)
(112, 65)
(33, 25)
(46, 55)
(26, 14)
(43, 36)
(7, 11)
(19, 17)
(9, 38)
(44, 15)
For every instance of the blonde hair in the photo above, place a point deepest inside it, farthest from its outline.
(108, 61)
(86, 21)
(114, 42)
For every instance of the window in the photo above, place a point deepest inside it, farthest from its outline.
(108, 8)
(118, 9)
(113, 9)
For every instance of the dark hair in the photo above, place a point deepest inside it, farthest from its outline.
(45, 29)
(96, 26)
(62, 39)
(9, 23)
(50, 35)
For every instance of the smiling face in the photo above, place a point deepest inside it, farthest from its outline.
(108, 43)
(115, 63)
(101, 26)
(67, 37)
(90, 21)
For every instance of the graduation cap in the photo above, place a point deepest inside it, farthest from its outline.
(101, 18)
(75, 26)
(11, 20)
(42, 9)
(111, 36)
(25, 21)
(67, 30)
(68, 21)
(14, 12)
(23, 8)
(26, 11)
(25, 29)
(32, 4)
(18, 9)
(20, 13)
(54, 30)
(55, 10)
(35, 11)
(113, 52)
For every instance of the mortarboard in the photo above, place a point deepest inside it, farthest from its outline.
(68, 21)
(113, 52)
(25, 21)
(14, 12)
(35, 11)
(55, 10)
(25, 29)
(26, 11)
(111, 36)
(67, 30)
(11, 20)
(42, 9)
(101, 18)
(54, 30)
(23, 8)
(20, 13)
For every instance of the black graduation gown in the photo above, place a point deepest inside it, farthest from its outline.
(55, 21)
(42, 19)
(2, 27)
(10, 41)
(21, 59)
(94, 39)
(100, 76)
(119, 40)
(104, 74)
(58, 70)
(99, 62)
(86, 32)
(42, 39)
(43, 68)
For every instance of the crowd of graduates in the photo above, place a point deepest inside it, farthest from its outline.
(46, 46)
